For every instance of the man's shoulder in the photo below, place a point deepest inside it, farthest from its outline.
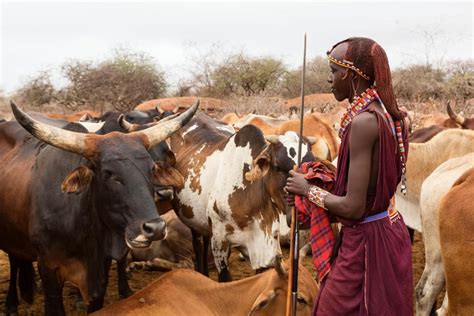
(365, 125)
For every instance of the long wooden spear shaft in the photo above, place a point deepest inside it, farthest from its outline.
(294, 244)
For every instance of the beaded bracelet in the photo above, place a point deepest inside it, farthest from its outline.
(317, 196)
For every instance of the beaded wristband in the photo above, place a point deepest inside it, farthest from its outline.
(317, 196)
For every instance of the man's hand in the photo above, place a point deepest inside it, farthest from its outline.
(297, 184)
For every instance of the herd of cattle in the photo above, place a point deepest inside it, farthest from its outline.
(160, 185)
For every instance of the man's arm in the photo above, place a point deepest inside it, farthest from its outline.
(364, 134)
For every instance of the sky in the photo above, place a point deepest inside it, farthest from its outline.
(39, 35)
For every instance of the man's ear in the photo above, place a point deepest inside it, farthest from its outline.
(260, 166)
(164, 175)
(78, 180)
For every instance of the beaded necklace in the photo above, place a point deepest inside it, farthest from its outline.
(361, 103)
(357, 105)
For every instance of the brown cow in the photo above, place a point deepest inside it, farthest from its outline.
(209, 105)
(78, 202)
(317, 128)
(185, 292)
(75, 117)
(456, 220)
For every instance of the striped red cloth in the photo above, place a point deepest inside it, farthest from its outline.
(309, 214)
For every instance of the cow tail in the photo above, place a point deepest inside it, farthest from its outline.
(27, 281)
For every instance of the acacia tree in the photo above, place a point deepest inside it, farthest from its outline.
(123, 81)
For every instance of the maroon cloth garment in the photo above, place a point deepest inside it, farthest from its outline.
(372, 273)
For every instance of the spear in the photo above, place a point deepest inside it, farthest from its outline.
(294, 244)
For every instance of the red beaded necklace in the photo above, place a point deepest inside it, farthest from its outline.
(357, 105)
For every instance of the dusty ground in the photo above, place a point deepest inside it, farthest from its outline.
(141, 278)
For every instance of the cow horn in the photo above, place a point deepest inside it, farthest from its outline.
(176, 108)
(272, 139)
(55, 136)
(162, 130)
(129, 127)
(159, 109)
(458, 118)
(280, 269)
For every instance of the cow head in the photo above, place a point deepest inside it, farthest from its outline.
(463, 122)
(269, 170)
(119, 174)
(169, 177)
(272, 300)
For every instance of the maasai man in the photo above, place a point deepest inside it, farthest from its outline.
(372, 272)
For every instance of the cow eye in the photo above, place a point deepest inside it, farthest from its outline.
(302, 300)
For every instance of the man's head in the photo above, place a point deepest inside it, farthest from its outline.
(359, 61)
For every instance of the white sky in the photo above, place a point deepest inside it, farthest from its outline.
(36, 35)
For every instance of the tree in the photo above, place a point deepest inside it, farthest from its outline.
(37, 91)
(123, 81)
(316, 79)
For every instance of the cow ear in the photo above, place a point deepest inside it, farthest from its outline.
(164, 175)
(260, 166)
(78, 180)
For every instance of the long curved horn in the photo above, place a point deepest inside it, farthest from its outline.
(163, 130)
(55, 136)
(159, 109)
(458, 118)
(129, 127)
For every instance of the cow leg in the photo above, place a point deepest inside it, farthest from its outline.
(205, 255)
(123, 287)
(221, 251)
(11, 304)
(198, 252)
(97, 301)
(52, 289)
(430, 285)
(443, 310)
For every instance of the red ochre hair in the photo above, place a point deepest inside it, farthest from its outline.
(371, 59)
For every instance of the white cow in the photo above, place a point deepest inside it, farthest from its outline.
(432, 191)
(423, 158)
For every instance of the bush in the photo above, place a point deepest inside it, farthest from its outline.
(122, 82)
(37, 91)
(316, 79)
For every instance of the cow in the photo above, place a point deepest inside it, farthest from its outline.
(75, 117)
(456, 220)
(267, 124)
(422, 161)
(175, 250)
(327, 145)
(77, 200)
(211, 106)
(186, 292)
(233, 190)
(461, 121)
(433, 189)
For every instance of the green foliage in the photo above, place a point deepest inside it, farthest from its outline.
(247, 76)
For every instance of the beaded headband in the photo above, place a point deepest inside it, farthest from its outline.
(349, 65)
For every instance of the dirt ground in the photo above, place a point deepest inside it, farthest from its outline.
(140, 279)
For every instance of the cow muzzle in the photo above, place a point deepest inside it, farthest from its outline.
(150, 231)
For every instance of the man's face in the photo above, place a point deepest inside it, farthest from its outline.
(340, 77)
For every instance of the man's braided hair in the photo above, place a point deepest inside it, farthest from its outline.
(371, 59)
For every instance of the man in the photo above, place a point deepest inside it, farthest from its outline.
(372, 272)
